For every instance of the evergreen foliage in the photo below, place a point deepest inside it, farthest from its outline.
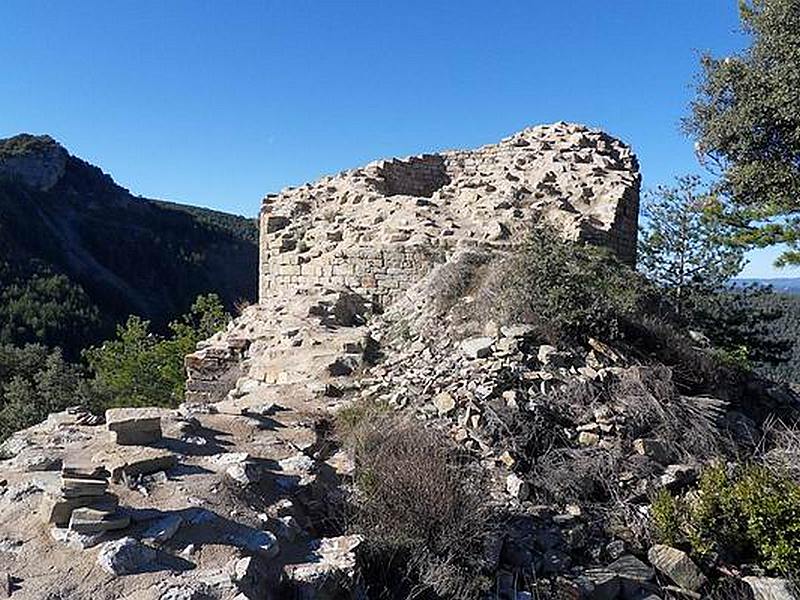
(746, 120)
(136, 368)
(684, 252)
(35, 381)
(742, 513)
(141, 368)
(681, 249)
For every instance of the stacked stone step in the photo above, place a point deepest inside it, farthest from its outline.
(134, 426)
(82, 501)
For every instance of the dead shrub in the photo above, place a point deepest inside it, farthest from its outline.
(350, 419)
(525, 434)
(575, 475)
(457, 278)
(654, 339)
(575, 401)
(422, 509)
(688, 426)
(780, 448)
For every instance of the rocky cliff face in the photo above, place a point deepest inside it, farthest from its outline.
(379, 228)
(36, 161)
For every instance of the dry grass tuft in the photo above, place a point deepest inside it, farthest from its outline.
(688, 426)
(423, 511)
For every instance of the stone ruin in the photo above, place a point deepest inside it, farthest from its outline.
(160, 492)
(236, 493)
(378, 229)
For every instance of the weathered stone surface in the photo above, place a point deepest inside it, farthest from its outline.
(245, 472)
(5, 585)
(134, 425)
(677, 565)
(162, 529)
(75, 488)
(40, 167)
(478, 347)
(516, 487)
(128, 462)
(125, 556)
(77, 541)
(30, 461)
(332, 561)
(677, 476)
(588, 438)
(444, 403)
(550, 356)
(57, 510)
(771, 588)
(606, 584)
(343, 366)
(516, 331)
(96, 519)
(378, 229)
(631, 568)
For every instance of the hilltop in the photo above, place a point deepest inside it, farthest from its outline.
(454, 385)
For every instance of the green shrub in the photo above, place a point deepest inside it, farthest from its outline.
(35, 381)
(140, 368)
(666, 517)
(567, 291)
(743, 513)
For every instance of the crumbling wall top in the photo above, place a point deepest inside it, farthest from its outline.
(378, 227)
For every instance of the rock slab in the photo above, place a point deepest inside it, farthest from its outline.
(677, 565)
(125, 556)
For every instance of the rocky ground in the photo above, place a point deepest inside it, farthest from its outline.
(226, 502)
(234, 496)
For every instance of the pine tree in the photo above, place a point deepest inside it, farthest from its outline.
(746, 122)
(680, 248)
(683, 251)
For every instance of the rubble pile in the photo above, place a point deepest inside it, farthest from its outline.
(217, 499)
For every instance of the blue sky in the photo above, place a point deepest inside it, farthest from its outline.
(218, 103)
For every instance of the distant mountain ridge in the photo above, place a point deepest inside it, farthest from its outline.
(790, 285)
(63, 217)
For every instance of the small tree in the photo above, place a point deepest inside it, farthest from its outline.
(746, 120)
(681, 249)
(140, 368)
(684, 251)
(35, 381)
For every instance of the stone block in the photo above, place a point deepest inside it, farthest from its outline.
(134, 426)
(477, 347)
(76, 488)
(677, 565)
(96, 519)
(771, 588)
(141, 461)
(57, 510)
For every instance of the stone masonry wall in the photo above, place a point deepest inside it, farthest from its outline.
(378, 229)
(415, 176)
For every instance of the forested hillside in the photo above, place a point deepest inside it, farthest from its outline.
(787, 326)
(78, 253)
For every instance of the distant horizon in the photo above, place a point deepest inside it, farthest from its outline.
(196, 103)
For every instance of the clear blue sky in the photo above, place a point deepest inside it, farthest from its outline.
(218, 103)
